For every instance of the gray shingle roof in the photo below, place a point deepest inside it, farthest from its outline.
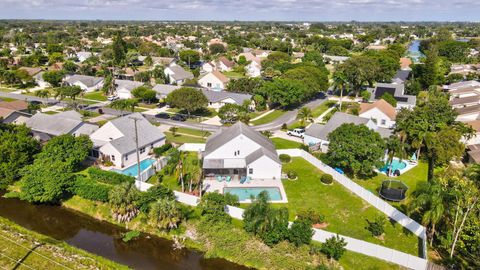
(56, 124)
(180, 73)
(397, 90)
(165, 89)
(339, 118)
(225, 135)
(401, 75)
(88, 81)
(215, 96)
(127, 85)
(147, 133)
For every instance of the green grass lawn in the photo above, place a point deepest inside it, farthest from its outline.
(345, 212)
(233, 75)
(183, 138)
(268, 118)
(171, 181)
(285, 144)
(97, 95)
(6, 99)
(316, 112)
(194, 132)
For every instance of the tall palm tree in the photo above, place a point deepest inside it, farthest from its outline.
(165, 214)
(180, 169)
(42, 94)
(305, 115)
(340, 82)
(122, 201)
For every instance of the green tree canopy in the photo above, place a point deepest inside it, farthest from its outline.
(53, 77)
(189, 56)
(188, 99)
(285, 92)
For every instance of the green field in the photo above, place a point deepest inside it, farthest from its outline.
(281, 143)
(180, 139)
(345, 212)
(97, 95)
(268, 118)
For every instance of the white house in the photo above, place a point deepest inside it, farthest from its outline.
(317, 135)
(239, 151)
(208, 67)
(123, 88)
(214, 81)
(177, 75)
(223, 64)
(40, 81)
(115, 141)
(254, 68)
(82, 56)
(381, 112)
(216, 99)
(86, 83)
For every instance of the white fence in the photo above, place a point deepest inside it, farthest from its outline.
(192, 147)
(147, 173)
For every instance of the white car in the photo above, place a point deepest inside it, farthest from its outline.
(298, 132)
(112, 98)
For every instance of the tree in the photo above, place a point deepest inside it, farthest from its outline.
(124, 104)
(144, 93)
(315, 79)
(189, 56)
(245, 85)
(68, 149)
(334, 247)
(305, 115)
(431, 69)
(17, 149)
(55, 57)
(213, 206)
(300, 232)
(188, 99)
(340, 82)
(165, 214)
(54, 78)
(68, 91)
(230, 112)
(122, 199)
(216, 48)
(42, 94)
(360, 157)
(284, 92)
(69, 67)
(359, 70)
(377, 226)
(109, 85)
(389, 98)
(119, 49)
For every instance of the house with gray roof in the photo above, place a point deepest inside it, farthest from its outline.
(86, 83)
(177, 75)
(115, 141)
(164, 89)
(216, 99)
(240, 152)
(397, 90)
(46, 126)
(123, 88)
(317, 134)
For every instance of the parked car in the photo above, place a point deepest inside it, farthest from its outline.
(298, 132)
(112, 98)
(179, 117)
(163, 115)
(161, 104)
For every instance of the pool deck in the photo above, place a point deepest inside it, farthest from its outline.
(409, 166)
(215, 186)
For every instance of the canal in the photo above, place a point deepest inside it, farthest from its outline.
(105, 239)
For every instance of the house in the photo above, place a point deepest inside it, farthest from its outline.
(9, 116)
(214, 80)
(40, 81)
(123, 88)
(465, 69)
(223, 64)
(46, 126)
(254, 68)
(163, 61)
(32, 71)
(401, 76)
(86, 83)
(164, 89)
(317, 135)
(208, 67)
(463, 84)
(397, 91)
(83, 56)
(16, 105)
(239, 151)
(334, 59)
(380, 111)
(115, 141)
(216, 99)
(466, 114)
(405, 63)
(177, 75)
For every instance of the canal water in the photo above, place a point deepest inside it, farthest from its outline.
(105, 239)
(414, 51)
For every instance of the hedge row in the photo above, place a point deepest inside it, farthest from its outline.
(91, 190)
(108, 177)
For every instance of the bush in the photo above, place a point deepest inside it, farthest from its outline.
(326, 179)
(304, 147)
(153, 194)
(311, 216)
(285, 158)
(284, 126)
(376, 227)
(213, 206)
(334, 247)
(300, 232)
(108, 177)
(292, 174)
(91, 190)
(159, 151)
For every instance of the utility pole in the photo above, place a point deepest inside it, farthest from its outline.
(136, 146)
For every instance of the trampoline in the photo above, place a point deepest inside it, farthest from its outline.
(393, 190)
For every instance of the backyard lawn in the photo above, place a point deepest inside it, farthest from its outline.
(268, 118)
(193, 132)
(96, 95)
(345, 213)
(316, 112)
(285, 144)
(233, 75)
(180, 139)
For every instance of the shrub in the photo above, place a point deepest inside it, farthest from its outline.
(334, 247)
(130, 235)
(108, 177)
(376, 227)
(304, 148)
(284, 126)
(158, 151)
(326, 179)
(292, 174)
(213, 206)
(91, 190)
(151, 195)
(300, 232)
(311, 216)
(285, 158)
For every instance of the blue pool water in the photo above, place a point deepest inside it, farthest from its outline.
(133, 170)
(246, 193)
(396, 165)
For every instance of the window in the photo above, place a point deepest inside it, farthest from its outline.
(142, 150)
(250, 170)
(384, 121)
(113, 157)
(126, 157)
(209, 84)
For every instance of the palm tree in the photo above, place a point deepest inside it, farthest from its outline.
(305, 115)
(122, 201)
(339, 82)
(165, 214)
(43, 94)
(180, 169)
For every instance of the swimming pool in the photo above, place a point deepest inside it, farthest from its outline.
(246, 193)
(133, 170)
(396, 165)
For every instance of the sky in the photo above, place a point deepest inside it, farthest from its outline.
(244, 10)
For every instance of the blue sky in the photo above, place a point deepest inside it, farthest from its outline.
(253, 10)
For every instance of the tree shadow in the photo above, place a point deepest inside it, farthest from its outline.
(22, 260)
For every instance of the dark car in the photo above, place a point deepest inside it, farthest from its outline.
(163, 115)
(179, 117)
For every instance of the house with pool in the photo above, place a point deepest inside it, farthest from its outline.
(242, 161)
(116, 142)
